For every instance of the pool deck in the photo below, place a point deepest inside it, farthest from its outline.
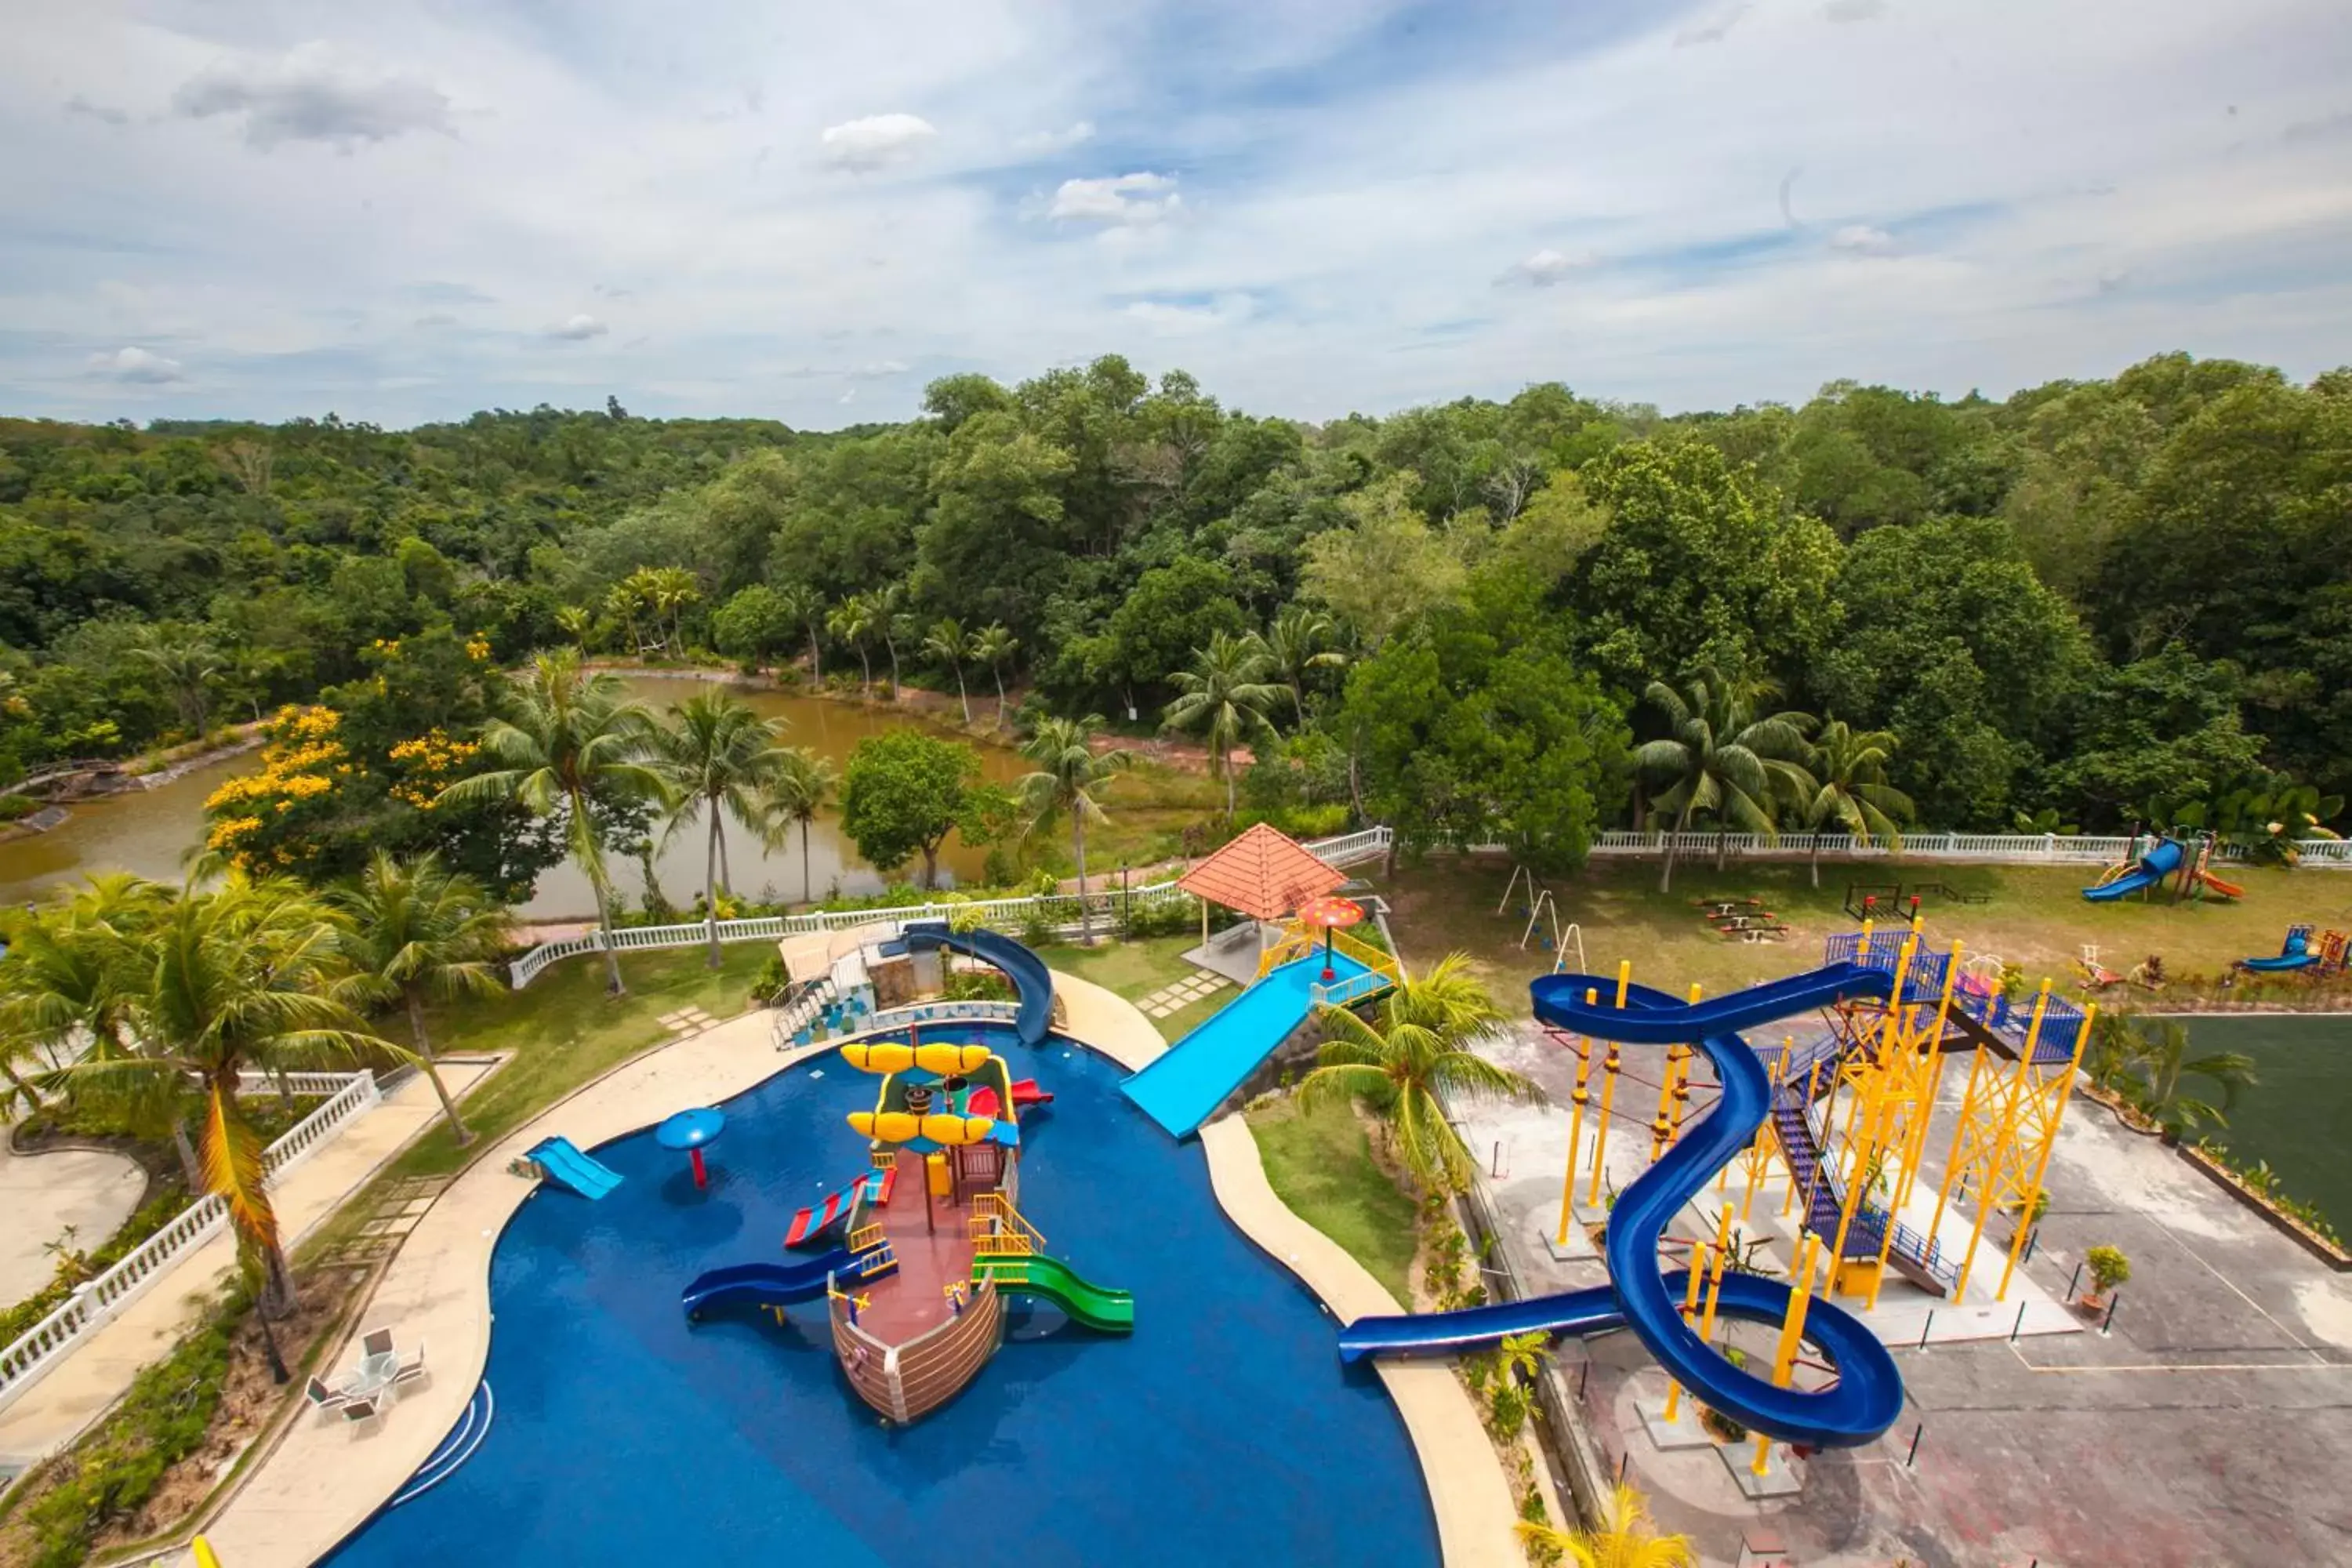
(323, 1482)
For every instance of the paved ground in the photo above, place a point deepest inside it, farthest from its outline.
(54, 1410)
(42, 1195)
(2212, 1426)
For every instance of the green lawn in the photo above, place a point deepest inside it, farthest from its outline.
(563, 1031)
(2034, 917)
(1137, 969)
(1320, 1164)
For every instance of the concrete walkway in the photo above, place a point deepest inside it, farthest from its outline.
(90, 1190)
(56, 1410)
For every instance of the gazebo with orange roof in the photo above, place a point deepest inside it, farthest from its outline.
(1263, 874)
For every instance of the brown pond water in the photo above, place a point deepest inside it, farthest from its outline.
(150, 831)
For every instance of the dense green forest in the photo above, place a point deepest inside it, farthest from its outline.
(2092, 601)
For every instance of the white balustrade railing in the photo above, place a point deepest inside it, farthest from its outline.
(1057, 911)
(98, 1301)
(2026, 849)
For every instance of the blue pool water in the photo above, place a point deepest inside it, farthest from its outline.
(1183, 1088)
(1224, 1431)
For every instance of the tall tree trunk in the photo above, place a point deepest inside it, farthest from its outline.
(1722, 847)
(1817, 860)
(999, 674)
(415, 1000)
(192, 1169)
(816, 660)
(931, 867)
(963, 696)
(584, 851)
(32, 1100)
(1673, 834)
(710, 885)
(807, 893)
(866, 660)
(278, 1299)
(1085, 917)
(726, 871)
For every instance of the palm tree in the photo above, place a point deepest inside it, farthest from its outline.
(1296, 644)
(1849, 788)
(714, 756)
(1723, 761)
(1627, 1538)
(853, 622)
(576, 740)
(1069, 772)
(950, 644)
(995, 647)
(805, 607)
(2161, 1060)
(186, 662)
(576, 622)
(1226, 696)
(416, 930)
(669, 589)
(233, 981)
(1398, 1066)
(891, 623)
(622, 604)
(795, 793)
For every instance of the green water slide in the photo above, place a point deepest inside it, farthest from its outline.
(1105, 1311)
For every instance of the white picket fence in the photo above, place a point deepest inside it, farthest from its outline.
(95, 1303)
(2007, 848)
(1056, 909)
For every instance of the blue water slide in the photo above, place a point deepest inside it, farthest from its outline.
(1868, 1393)
(2295, 952)
(766, 1284)
(1031, 979)
(1185, 1086)
(563, 1163)
(2161, 861)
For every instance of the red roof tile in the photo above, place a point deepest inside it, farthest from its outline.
(1265, 874)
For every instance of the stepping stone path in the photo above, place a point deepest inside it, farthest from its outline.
(686, 1021)
(1193, 987)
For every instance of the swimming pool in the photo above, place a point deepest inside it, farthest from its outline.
(1223, 1430)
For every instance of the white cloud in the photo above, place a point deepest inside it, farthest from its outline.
(1712, 30)
(1040, 142)
(1854, 10)
(1176, 319)
(1862, 239)
(1541, 270)
(579, 329)
(137, 366)
(880, 369)
(876, 142)
(1123, 199)
(312, 94)
(106, 112)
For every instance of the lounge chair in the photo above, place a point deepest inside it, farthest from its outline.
(377, 1342)
(411, 1368)
(361, 1409)
(324, 1400)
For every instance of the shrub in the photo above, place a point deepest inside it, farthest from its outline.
(2109, 1268)
(16, 807)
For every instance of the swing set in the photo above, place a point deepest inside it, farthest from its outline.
(1541, 910)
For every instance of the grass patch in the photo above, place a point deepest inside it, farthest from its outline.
(2031, 916)
(1320, 1163)
(563, 1030)
(1132, 968)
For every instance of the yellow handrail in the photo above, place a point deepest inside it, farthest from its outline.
(1298, 943)
(997, 1229)
(863, 1236)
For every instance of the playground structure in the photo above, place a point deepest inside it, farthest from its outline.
(1742, 920)
(1844, 1119)
(915, 1257)
(1878, 901)
(2306, 951)
(1541, 911)
(2186, 859)
(558, 1163)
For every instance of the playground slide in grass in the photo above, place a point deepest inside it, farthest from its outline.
(563, 1163)
(1868, 1393)
(2161, 861)
(766, 1284)
(1096, 1307)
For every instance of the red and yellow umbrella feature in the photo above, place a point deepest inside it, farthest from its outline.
(1330, 913)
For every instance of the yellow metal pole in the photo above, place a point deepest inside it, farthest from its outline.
(1625, 979)
(1715, 1275)
(1813, 1088)
(1690, 1309)
(2049, 1146)
(1935, 1083)
(1601, 1132)
(2004, 1140)
(1575, 1131)
(1792, 1331)
(1953, 1163)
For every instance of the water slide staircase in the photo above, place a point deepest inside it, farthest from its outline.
(1917, 1258)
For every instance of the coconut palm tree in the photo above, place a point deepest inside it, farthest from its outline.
(1722, 761)
(670, 589)
(951, 644)
(995, 647)
(800, 788)
(621, 603)
(1849, 788)
(1397, 1063)
(187, 663)
(417, 931)
(714, 756)
(1297, 643)
(1225, 697)
(805, 606)
(1069, 772)
(1626, 1539)
(2160, 1059)
(855, 621)
(575, 740)
(239, 979)
(576, 622)
(892, 622)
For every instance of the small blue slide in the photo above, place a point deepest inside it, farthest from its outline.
(568, 1168)
(1868, 1393)
(2162, 860)
(2295, 952)
(1184, 1088)
(1031, 979)
(766, 1284)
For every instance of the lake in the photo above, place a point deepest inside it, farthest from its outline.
(2295, 1116)
(150, 831)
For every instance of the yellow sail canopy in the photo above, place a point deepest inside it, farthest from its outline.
(892, 1055)
(899, 1127)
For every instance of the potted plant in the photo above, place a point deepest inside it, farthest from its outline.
(2109, 1269)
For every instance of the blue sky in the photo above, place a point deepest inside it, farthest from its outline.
(410, 210)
